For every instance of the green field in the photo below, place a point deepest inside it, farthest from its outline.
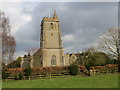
(106, 81)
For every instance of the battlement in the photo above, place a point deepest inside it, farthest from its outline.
(50, 19)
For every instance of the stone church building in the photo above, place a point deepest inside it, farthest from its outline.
(51, 52)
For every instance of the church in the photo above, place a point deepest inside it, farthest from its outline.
(51, 51)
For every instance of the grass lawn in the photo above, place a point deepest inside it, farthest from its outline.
(105, 81)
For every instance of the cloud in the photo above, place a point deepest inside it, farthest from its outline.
(16, 15)
(68, 38)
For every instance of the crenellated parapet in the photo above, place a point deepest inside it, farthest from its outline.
(50, 19)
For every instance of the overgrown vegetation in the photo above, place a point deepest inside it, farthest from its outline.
(73, 69)
(5, 74)
(28, 72)
(15, 64)
(19, 77)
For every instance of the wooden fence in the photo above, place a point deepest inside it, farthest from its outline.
(33, 76)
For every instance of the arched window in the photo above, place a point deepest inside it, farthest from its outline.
(53, 60)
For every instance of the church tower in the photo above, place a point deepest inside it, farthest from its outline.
(50, 42)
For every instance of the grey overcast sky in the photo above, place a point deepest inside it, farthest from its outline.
(81, 22)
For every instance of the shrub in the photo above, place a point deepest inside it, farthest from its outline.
(73, 69)
(28, 72)
(111, 68)
(87, 73)
(16, 78)
(20, 76)
(5, 74)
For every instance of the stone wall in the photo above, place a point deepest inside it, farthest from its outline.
(26, 62)
(47, 55)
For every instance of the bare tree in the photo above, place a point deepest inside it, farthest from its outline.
(109, 42)
(8, 42)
